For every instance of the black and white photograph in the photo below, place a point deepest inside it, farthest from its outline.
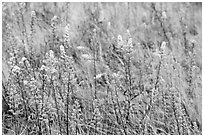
(101, 68)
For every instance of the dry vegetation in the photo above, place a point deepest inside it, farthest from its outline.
(102, 68)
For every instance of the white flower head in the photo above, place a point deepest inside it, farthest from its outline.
(21, 64)
(27, 63)
(193, 41)
(53, 70)
(87, 56)
(120, 38)
(128, 33)
(67, 26)
(51, 54)
(94, 30)
(99, 75)
(157, 53)
(23, 59)
(22, 4)
(163, 45)
(67, 29)
(10, 62)
(81, 48)
(115, 75)
(109, 24)
(43, 67)
(67, 33)
(47, 55)
(164, 49)
(120, 41)
(130, 42)
(33, 14)
(54, 19)
(16, 69)
(62, 48)
(164, 16)
(25, 82)
(11, 54)
(32, 79)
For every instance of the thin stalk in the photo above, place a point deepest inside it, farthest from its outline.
(56, 105)
(158, 73)
(38, 121)
(25, 101)
(95, 72)
(68, 104)
(175, 114)
(122, 122)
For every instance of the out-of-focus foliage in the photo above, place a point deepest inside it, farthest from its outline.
(102, 68)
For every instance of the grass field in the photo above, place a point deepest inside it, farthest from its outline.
(102, 68)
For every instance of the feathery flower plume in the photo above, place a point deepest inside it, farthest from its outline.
(120, 41)
(43, 67)
(130, 42)
(128, 33)
(67, 34)
(54, 19)
(163, 47)
(23, 59)
(25, 82)
(33, 14)
(62, 50)
(16, 69)
(109, 25)
(51, 54)
(164, 16)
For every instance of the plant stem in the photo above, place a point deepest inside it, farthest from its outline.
(56, 105)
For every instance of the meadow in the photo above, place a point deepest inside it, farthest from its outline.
(101, 68)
